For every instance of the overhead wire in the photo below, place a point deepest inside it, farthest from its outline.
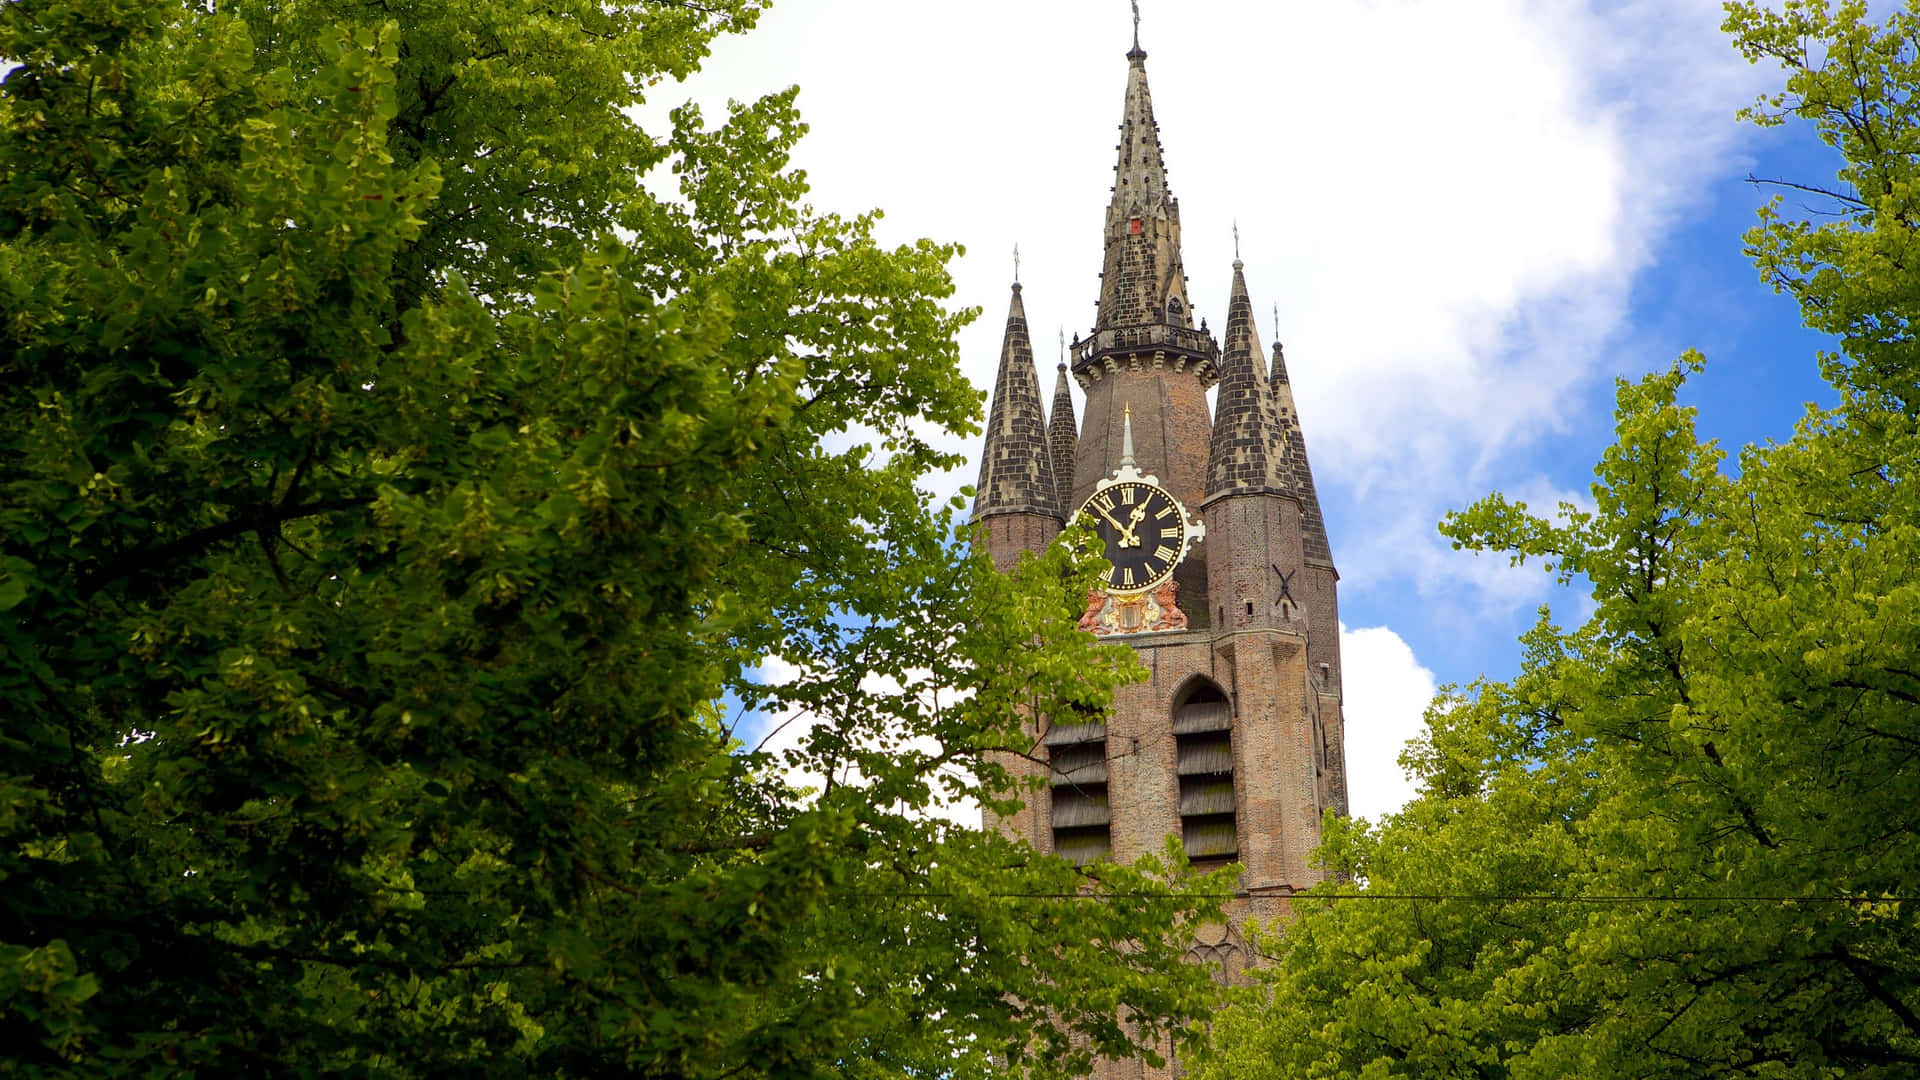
(1488, 898)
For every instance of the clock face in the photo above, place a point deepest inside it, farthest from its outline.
(1145, 532)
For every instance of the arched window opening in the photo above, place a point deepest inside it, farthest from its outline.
(1077, 772)
(1203, 756)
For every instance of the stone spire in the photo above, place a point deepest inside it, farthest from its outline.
(1144, 349)
(1290, 453)
(1142, 281)
(1062, 437)
(1016, 463)
(1241, 456)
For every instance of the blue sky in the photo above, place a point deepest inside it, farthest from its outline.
(1472, 216)
(1700, 291)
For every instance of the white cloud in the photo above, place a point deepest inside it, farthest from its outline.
(784, 733)
(1387, 692)
(1448, 199)
(1498, 189)
(1437, 570)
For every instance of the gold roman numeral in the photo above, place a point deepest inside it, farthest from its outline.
(1164, 511)
(1171, 532)
(1104, 502)
(1127, 571)
(1163, 553)
(1126, 496)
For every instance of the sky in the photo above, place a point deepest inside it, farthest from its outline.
(1464, 218)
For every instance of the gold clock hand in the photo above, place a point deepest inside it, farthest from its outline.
(1124, 531)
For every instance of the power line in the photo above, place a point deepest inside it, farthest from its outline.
(1479, 898)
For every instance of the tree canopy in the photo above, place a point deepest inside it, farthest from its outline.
(395, 490)
(1683, 841)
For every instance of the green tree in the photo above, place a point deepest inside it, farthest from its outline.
(394, 490)
(1682, 842)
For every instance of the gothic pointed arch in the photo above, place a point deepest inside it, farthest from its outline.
(1081, 815)
(1196, 688)
(1221, 947)
(1203, 759)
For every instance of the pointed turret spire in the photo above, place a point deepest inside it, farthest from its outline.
(1290, 453)
(1062, 436)
(1145, 327)
(1016, 464)
(1143, 282)
(1240, 457)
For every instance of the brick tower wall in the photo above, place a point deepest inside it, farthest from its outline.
(1007, 535)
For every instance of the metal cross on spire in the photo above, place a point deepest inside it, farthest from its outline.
(1276, 323)
(1236, 239)
(1136, 24)
(1016, 264)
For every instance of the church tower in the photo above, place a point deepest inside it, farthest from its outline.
(1221, 575)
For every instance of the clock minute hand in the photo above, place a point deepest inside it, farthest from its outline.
(1127, 539)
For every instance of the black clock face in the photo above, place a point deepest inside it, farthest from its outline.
(1145, 532)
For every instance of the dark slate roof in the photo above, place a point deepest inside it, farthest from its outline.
(1240, 456)
(1063, 436)
(1141, 271)
(1290, 448)
(1016, 466)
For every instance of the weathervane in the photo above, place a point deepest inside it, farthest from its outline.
(1236, 239)
(1016, 264)
(1276, 324)
(1136, 25)
(1063, 346)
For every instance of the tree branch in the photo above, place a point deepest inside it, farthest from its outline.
(261, 518)
(1810, 189)
(1862, 972)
